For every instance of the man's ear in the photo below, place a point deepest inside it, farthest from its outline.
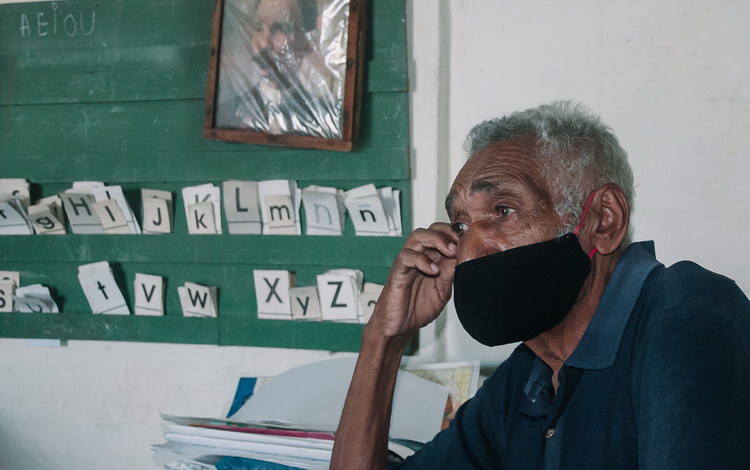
(613, 211)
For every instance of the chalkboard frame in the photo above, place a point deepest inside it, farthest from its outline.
(353, 84)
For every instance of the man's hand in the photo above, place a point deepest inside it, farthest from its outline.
(419, 284)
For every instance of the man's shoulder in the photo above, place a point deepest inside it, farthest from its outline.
(688, 283)
(685, 294)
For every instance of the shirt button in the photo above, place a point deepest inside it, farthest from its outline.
(549, 433)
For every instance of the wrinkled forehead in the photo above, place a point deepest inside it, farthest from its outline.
(510, 165)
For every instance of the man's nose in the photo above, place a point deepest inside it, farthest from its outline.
(479, 240)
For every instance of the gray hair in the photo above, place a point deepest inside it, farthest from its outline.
(578, 153)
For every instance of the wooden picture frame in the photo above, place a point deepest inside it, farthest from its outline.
(278, 75)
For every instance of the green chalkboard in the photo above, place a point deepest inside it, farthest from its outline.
(114, 91)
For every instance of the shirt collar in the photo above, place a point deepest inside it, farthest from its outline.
(601, 341)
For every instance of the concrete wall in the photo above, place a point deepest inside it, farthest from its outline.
(669, 77)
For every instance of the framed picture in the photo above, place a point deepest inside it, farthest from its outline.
(286, 72)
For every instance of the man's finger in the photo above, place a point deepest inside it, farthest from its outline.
(422, 239)
(410, 259)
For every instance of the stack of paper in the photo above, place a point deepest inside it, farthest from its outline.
(35, 298)
(292, 419)
(241, 206)
(272, 293)
(15, 188)
(9, 282)
(93, 207)
(312, 397)
(79, 207)
(198, 301)
(55, 205)
(392, 205)
(46, 217)
(280, 204)
(157, 211)
(113, 210)
(197, 438)
(374, 211)
(14, 201)
(305, 303)
(13, 219)
(202, 209)
(149, 294)
(339, 291)
(324, 210)
(101, 290)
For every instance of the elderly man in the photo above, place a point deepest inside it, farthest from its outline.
(625, 363)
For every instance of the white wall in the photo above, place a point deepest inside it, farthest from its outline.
(95, 405)
(671, 79)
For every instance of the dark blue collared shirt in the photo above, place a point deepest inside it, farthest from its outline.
(659, 381)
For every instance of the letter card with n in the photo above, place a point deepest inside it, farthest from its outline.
(324, 210)
(366, 211)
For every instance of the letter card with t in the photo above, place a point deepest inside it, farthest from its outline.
(101, 290)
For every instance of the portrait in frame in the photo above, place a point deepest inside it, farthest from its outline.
(286, 72)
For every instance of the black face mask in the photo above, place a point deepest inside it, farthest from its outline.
(515, 295)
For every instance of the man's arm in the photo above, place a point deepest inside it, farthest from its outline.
(417, 289)
(691, 393)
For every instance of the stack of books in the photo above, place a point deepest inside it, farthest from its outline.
(289, 422)
(209, 441)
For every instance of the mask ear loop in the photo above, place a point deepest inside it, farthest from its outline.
(577, 230)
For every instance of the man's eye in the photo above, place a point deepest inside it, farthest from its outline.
(459, 227)
(504, 211)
